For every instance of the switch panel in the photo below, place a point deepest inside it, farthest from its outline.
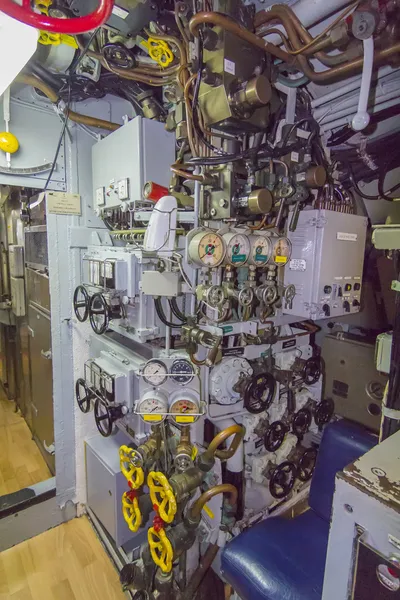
(330, 246)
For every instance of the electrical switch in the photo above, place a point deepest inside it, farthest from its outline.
(357, 287)
(327, 310)
(346, 306)
(347, 287)
(328, 289)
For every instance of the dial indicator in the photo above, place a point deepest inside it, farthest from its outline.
(155, 372)
(237, 248)
(182, 371)
(207, 249)
(184, 407)
(260, 250)
(281, 251)
(153, 407)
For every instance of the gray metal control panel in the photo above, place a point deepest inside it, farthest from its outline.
(326, 264)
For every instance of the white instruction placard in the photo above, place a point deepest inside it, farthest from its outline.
(62, 203)
(348, 237)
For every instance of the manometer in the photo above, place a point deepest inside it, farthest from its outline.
(184, 407)
(182, 371)
(237, 248)
(207, 249)
(155, 372)
(281, 251)
(260, 250)
(153, 406)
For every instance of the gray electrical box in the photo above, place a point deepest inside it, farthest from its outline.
(105, 485)
(326, 264)
(140, 151)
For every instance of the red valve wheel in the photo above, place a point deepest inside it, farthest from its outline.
(26, 15)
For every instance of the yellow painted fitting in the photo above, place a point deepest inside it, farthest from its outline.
(131, 512)
(160, 549)
(162, 495)
(134, 474)
(46, 38)
(8, 142)
(159, 51)
(43, 6)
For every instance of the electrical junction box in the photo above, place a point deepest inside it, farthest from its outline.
(326, 264)
(140, 151)
(155, 283)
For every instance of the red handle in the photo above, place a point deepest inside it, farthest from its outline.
(71, 26)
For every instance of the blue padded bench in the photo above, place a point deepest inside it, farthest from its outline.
(284, 559)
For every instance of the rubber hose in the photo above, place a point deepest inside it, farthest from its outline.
(161, 314)
(176, 311)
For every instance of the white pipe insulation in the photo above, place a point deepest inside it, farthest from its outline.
(309, 12)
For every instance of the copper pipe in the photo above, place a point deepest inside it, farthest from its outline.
(192, 139)
(195, 361)
(237, 430)
(181, 49)
(72, 115)
(223, 488)
(198, 576)
(212, 18)
(186, 174)
(260, 225)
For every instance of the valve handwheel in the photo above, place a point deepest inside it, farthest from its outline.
(162, 495)
(307, 464)
(274, 436)
(282, 479)
(105, 416)
(83, 399)
(160, 549)
(323, 412)
(301, 422)
(25, 14)
(81, 300)
(131, 510)
(133, 472)
(312, 370)
(259, 393)
(99, 313)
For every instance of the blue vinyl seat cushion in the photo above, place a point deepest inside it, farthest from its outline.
(278, 559)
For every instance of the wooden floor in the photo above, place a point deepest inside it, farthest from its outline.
(21, 463)
(64, 563)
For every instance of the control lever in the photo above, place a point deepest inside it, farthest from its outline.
(288, 295)
(361, 118)
(295, 216)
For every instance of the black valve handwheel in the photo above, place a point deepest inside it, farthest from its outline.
(259, 393)
(282, 479)
(312, 370)
(83, 395)
(99, 313)
(118, 56)
(301, 422)
(323, 412)
(306, 464)
(81, 301)
(105, 416)
(274, 436)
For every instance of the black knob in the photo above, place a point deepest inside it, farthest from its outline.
(356, 302)
(328, 289)
(327, 310)
(357, 287)
(347, 287)
(340, 292)
(346, 306)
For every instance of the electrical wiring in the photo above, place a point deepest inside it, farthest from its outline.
(161, 315)
(176, 310)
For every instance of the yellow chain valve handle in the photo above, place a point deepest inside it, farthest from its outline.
(47, 38)
(133, 473)
(131, 511)
(159, 51)
(160, 548)
(162, 495)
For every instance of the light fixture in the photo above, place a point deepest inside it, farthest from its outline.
(18, 43)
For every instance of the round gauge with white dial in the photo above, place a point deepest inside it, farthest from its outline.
(207, 249)
(281, 251)
(261, 250)
(153, 406)
(184, 407)
(155, 372)
(237, 248)
(182, 371)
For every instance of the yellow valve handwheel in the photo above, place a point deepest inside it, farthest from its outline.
(162, 495)
(159, 51)
(160, 549)
(131, 512)
(134, 474)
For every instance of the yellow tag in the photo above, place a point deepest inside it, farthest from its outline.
(184, 419)
(281, 259)
(208, 511)
(152, 417)
(194, 453)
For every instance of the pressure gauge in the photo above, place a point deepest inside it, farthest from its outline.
(261, 250)
(207, 249)
(155, 372)
(281, 251)
(182, 371)
(153, 406)
(237, 248)
(184, 406)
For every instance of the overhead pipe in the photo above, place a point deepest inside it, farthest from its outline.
(347, 120)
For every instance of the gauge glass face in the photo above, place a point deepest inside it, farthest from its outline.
(261, 250)
(183, 409)
(155, 372)
(238, 250)
(282, 249)
(182, 371)
(211, 250)
(152, 409)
